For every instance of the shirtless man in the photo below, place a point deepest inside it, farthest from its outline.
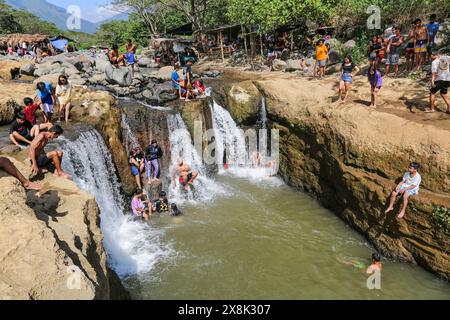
(40, 159)
(187, 177)
(421, 42)
(115, 57)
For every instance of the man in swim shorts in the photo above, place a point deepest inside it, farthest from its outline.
(421, 41)
(408, 187)
(40, 159)
(440, 80)
(186, 176)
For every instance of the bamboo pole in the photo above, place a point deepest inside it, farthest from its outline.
(221, 46)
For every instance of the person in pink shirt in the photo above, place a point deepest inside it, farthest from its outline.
(140, 206)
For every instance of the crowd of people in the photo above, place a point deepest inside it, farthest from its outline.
(386, 50)
(187, 87)
(36, 50)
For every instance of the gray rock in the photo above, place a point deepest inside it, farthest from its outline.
(279, 65)
(97, 78)
(101, 63)
(148, 94)
(121, 76)
(144, 62)
(350, 44)
(27, 69)
(8, 108)
(293, 65)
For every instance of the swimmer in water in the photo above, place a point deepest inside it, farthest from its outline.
(185, 174)
(174, 211)
(376, 264)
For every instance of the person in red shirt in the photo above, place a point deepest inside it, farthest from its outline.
(30, 110)
(199, 89)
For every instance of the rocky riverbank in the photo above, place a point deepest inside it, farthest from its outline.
(349, 157)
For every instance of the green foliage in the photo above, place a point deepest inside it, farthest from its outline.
(8, 22)
(441, 218)
(270, 14)
(32, 24)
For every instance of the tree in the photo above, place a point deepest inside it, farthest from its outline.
(32, 24)
(8, 23)
(146, 9)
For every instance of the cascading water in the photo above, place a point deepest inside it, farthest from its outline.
(183, 149)
(130, 139)
(133, 247)
(263, 113)
(242, 161)
(229, 138)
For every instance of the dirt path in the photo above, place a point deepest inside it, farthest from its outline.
(402, 97)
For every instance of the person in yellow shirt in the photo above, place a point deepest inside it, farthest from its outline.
(321, 58)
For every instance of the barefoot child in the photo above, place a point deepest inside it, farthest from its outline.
(376, 82)
(348, 68)
(408, 187)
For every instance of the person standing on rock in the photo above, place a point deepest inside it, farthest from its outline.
(321, 58)
(137, 164)
(348, 67)
(46, 100)
(440, 80)
(130, 56)
(393, 51)
(7, 166)
(64, 95)
(433, 28)
(153, 155)
(408, 187)
(421, 42)
(30, 110)
(41, 159)
(187, 74)
(376, 81)
(176, 80)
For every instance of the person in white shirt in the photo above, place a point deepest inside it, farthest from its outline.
(440, 80)
(408, 187)
(64, 95)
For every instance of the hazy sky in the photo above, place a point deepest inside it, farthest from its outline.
(91, 10)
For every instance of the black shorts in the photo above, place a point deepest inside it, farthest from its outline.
(441, 86)
(43, 161)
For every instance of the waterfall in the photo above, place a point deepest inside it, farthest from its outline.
(228, 137)
(132, 246)
(182, 148)
(130, 139)
(263, 113)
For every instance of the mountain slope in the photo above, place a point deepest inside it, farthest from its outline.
(50, 12)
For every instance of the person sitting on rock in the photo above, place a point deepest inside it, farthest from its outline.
(23, 132)
(153, 155)
(46, 99)
(140, 205)
(115, 57)
(137, 164)
(162, 204)
(7, 166)
(185, 91)
(186, 176)
(40, 159)
(199, 89)
(408, 187)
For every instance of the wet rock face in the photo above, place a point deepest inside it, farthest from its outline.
(148, 124)
(8, 107)
(51, 243)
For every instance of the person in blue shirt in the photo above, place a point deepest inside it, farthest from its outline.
(45, 99)
(433, 28)
(176, 79)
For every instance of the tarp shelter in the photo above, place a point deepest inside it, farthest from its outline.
(60, 42)
(184, 30)
(169, 48)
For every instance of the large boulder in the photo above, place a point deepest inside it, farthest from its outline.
(244, 101)
(120, 76)
(293, 65)
(28, 69)
(48, 78)
(350, 44)
(9, 69)
(98, 79)
(145, 62)
(8, 108)
(165, 73)
(101, 63)
(279, 65)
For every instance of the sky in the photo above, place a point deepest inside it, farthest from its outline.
(91, 10)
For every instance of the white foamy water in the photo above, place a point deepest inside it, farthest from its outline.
(261, 176)
(228, 136)
(130, 139)
(182, 148)
(263, 115)
(133, 247)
